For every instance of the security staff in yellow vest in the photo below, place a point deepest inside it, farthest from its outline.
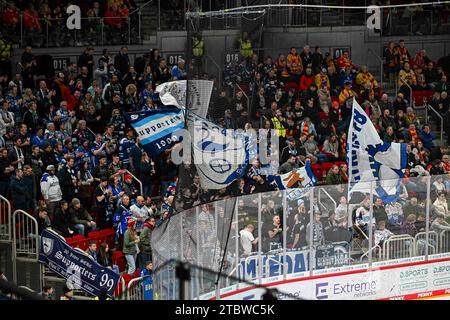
(5, 56)
(278, 124)
(198, 50)
(198, 46)
(245, 46)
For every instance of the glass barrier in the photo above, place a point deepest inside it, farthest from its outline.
(293, 233)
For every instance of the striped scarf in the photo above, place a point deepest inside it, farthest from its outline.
(305, 130)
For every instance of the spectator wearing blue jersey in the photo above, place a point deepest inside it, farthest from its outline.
(178, 72)
(83, 153)
(125, 145)
(120, 219)
(427, 137)
(147, 282)
(38, 137)
(99, 149)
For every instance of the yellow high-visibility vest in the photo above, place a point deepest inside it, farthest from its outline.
(5, 50)
(246, 48)
(197, 47)
(278, 126)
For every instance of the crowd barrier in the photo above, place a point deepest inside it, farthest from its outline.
(5, 219)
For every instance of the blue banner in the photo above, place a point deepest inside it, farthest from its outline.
(156, 129)
(80, 271)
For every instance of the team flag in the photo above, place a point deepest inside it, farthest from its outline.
(298, 181)
(220, 155)
(157, 129)
(372, 159)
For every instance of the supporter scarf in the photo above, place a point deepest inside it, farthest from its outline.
(414, 135)
(305, 130)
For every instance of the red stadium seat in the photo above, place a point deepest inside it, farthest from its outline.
(323, 116)
(340, 163)
(118, 258)
(127, 277)
(109, 235)
(317, 169)
(136, 273)
(69, 241)
(80, 242)
(291, 85)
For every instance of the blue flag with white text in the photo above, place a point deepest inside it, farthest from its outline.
(74, 265)
(157, 129)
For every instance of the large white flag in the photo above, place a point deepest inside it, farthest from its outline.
(220, 155)
(174, 93)
(371, 159)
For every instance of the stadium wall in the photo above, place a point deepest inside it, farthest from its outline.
(220, 43)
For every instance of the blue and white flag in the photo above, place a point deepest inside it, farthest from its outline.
(157, 129)
(74, 265)
(297, 182)
(372, 159)
(220, 155)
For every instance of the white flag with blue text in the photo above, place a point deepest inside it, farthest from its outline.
(371, 159)
(220, 155)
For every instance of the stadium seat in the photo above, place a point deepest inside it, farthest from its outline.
(80, 242)
(127, 277)
(323, 116)
(137, 273)
(291, 85)
(69, 241)
(118, 258)
(97, 236)
(109, 235)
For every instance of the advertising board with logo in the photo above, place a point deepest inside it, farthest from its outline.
(396, 280)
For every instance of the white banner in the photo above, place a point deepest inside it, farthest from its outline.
(219, 154)
(174, 93)
(372, 159)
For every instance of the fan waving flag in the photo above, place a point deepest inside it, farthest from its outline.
(372, 159)
(157, 129)
(300, 180)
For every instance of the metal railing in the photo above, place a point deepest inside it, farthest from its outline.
(399, 246)
(328, 196)
(411, 98)
(380, 60)
(25, 236)
(5, 219)
(426, 246)
(441, 119)
(444, 241)
(141, 189)
(247, 98)
(135, 289)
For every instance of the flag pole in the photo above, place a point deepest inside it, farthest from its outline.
(349, 157)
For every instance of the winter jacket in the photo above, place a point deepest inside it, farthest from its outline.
(19, 193)
(146, 236)
(79, 216)
(50, 188)
(129, 246)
